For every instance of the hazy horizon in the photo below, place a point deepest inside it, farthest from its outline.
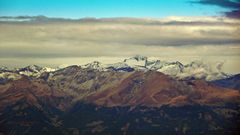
(190, 30)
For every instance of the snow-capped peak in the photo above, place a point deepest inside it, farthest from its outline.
(195, 69)
(137, 61)
(34, 70)
(94, 65)
(31, 68)
(48, 69)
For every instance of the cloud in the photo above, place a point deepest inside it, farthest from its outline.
(233, 6)
(65, 42)
(234, 14)
(172, 31)
(222, 3)
(74, 39)
(172, 20)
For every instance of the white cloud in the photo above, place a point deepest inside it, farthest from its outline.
(179, 38)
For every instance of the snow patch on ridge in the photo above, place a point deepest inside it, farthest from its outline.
(193, 70)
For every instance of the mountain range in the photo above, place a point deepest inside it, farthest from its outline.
(134, 97)
(193, 70)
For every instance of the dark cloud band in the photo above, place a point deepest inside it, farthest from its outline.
(233, 6)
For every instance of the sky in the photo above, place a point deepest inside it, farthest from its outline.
(172, 30)
(109, 8)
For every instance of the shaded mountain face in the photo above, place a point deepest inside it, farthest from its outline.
(141, 120)
(30, 107)
(156, 89)
(76, 100)
(232, 82)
